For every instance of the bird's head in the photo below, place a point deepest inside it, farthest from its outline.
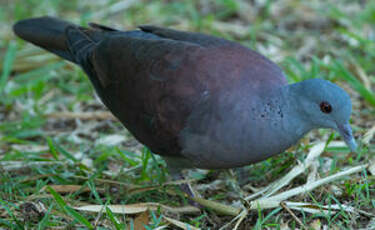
(325, 105)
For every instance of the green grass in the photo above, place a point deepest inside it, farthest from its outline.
(333, 40)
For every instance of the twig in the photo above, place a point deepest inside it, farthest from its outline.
(283, 204)
(274, 201)
(216, 206)
(239, 217)
(314, 153)
(308, 187)
(243, 214)
(180, 224)
(106, 181)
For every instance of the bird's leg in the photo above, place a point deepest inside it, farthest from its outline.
(186, 187)
(175, 168)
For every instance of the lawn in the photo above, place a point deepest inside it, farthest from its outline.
(61, 151)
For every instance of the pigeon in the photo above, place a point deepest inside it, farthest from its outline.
(197, 100)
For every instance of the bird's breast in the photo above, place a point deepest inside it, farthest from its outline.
(234, 132)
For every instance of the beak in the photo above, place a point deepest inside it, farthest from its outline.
(346, 132)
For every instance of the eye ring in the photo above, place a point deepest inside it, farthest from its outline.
(325, 107)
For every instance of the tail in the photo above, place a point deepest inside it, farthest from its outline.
(62, 38)
(46, 32)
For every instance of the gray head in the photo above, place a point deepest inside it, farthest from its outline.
(324, 105)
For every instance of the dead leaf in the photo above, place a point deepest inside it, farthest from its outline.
(138, 208)
(141, 220)
(118, 209)
(71, 188)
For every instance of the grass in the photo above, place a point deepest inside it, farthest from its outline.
(328, 39)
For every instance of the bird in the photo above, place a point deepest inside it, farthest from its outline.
(197, 100)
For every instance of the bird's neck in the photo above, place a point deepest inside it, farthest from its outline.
(294, 124)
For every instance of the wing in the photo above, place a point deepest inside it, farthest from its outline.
(197, 38)
(222, 54)
(148, 85)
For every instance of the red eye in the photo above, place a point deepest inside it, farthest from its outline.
(325, 107)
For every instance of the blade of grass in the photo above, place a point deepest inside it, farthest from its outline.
(7, 64)
(112, 218)
(343, 72)
(70, 211)
(66, 153)
(43, 223)
(11, 214)
(52, 148)
(40, 73)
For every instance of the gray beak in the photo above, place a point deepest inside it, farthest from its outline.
(346, 132)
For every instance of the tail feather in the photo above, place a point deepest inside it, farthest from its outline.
(46, 32)
(64, 39)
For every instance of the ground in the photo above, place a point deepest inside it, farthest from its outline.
(60, 150)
